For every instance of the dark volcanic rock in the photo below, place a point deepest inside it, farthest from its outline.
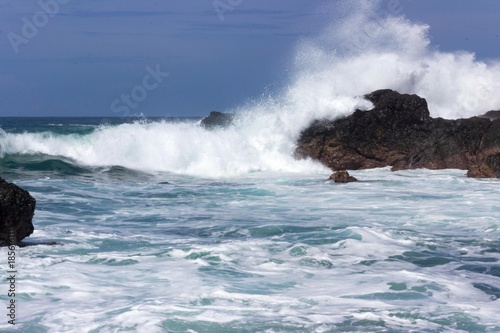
(488, 167)
(491, 115)
(217, 120)
(400, 133)
(17, 208)
(342, 176)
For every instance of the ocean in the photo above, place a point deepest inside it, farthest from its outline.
(161, 225)
(269, 250)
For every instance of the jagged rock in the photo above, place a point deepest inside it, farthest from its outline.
(494, 114)
(17, 208)
(217, 120)
(489, 167)
(400, 133)
(342, 176)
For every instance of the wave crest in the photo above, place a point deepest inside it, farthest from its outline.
(363, 51)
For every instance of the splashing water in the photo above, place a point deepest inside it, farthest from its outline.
(365, 51)
(361, 52)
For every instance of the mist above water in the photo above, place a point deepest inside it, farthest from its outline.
(366, 49)
(362, 50)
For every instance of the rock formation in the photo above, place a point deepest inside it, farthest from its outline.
(400, 133)
(494, 114)
(217, 120)
(17, 208)
(342, 176)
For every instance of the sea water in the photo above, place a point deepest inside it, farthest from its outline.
(161, 225)
(264, 251)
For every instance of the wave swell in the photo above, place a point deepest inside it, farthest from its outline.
(361, 52)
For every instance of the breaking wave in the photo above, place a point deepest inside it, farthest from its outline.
(361, 51)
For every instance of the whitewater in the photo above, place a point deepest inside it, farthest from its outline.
(164, 226)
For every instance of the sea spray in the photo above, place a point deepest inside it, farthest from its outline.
(358, 53)
(182, 148)
(365, 50)
(409, 251)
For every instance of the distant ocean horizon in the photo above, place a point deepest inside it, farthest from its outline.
(163, 225)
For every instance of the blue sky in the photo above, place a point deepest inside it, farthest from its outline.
(83, 57)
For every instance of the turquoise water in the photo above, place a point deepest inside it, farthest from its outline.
(261, 251)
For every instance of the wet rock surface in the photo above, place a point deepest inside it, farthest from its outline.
(17, 208)
(342, 176)
(400, 133)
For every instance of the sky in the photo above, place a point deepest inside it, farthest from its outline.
(166, 58)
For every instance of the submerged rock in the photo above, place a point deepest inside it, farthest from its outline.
(400, 133)
(217, 120)
(342, 176)
(17, 208)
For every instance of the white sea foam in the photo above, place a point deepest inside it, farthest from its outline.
(178, 148)
(291, 252)
(361, 52)
(375, 254)
(366, 50)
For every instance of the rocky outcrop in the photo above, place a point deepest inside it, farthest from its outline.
(342, 176)
(494, 114)
(217, 120)
(17, 208)
(400, 133)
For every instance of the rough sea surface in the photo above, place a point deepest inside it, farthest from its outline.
(262, 251)
(164, 226)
